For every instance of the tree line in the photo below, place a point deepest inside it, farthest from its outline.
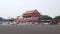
(46, 17)
(42, 17)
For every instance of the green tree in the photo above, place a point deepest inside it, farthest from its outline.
(56, 18)
(45, 17)
(12, 19)
(1, 18)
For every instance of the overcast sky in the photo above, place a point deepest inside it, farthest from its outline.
(13, 8)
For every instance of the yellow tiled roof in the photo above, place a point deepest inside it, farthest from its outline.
(30, 11)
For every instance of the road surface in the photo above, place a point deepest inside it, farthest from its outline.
(30, 29)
